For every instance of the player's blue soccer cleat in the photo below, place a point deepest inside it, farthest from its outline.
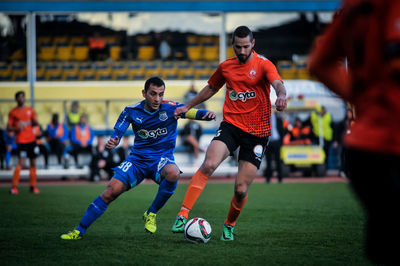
(179, 225)
(72, 235)
(227, 232)
(150, 222)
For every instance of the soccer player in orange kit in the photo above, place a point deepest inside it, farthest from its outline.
(367, 34)
(20, 120)
(246, 123)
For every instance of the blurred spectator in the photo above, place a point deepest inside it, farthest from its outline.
(11, 145)
(57, 137)
(273, 153)
(189, 96)
(81, 139)
(343, 129)
(123, 150)
(97, 47)
(164, 50)
(190, 136)
(102, 159)
(37, 130)
(73, 116)
(298, 134)
(326, 130)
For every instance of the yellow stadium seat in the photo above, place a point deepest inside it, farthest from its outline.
(115, 52)
(53, 74)
(40, 72)
(57, 40)
(192, 39)
(206, 39)
(17, 55)
(143, 39)
(301, 70)
(5, 72)
(204, 73)
(47, 53)
(119, 71)
(194, 52)
(87, 74)
(69, 72)
(77, 40)
(230, 52)
(111, 39)
(136, 71)
(286, 69)
(186, 73)
(19, 71)
(145, 52)
(210, 52)
(44, 40)
(64, 53)
(103, 74)
(80, 53)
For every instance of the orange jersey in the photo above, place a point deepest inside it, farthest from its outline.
(247, 102)
(24, 116)
(368, 85)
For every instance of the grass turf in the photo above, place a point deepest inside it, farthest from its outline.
(281, 224)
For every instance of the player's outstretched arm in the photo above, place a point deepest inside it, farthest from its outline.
(199, 115)
(112, 143)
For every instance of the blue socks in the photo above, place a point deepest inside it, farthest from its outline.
(94, 211)
(165, 191)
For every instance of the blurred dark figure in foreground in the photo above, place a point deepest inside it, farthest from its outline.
(366, 33)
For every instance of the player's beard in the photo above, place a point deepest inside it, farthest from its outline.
(243, 58)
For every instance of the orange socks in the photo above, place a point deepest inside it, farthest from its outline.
(32, 176)
(16, 176)
(234, 211)
(196, 186)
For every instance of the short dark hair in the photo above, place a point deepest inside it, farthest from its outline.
(157, 81)
(242, 32)
(18, 93)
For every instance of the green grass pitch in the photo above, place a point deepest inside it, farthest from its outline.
(281, 224)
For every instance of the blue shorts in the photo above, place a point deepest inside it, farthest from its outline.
(134, 170)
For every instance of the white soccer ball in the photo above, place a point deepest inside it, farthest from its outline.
(197, 230)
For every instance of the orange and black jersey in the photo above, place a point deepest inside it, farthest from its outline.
(24, 116)
(247, 101)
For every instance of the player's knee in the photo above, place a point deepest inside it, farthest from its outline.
(208, 167)
(172, 174)
(240, 192)
(110, 194)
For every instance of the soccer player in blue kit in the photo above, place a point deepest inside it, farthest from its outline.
(151, 156)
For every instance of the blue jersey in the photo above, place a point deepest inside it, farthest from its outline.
(155, 133)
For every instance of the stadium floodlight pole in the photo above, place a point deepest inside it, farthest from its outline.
(31, 54)
(222, 38)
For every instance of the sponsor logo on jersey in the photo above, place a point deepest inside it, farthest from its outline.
(258, 151)
(163, 116)
(144, 134)
(140, 119)
(243, 96)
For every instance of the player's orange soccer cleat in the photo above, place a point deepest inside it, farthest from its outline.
(35, 190)
(14, 191)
